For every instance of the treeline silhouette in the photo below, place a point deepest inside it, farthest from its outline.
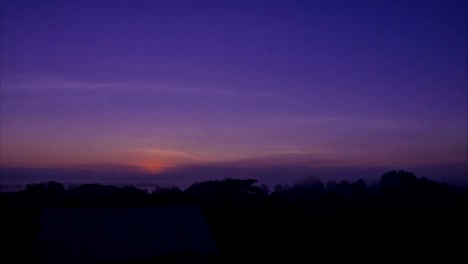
(401, 215)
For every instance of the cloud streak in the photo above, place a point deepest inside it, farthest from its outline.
(172, 153)
(36, 83)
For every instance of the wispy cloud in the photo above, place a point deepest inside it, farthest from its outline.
(171, 153)
(316, 120)
(34, 83)
(364, 122)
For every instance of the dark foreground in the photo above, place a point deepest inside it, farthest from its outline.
(403, 219)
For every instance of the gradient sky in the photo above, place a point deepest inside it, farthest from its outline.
(160, 84)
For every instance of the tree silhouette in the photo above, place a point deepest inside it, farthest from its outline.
(247, 220)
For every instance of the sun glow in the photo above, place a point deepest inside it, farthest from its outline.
(151, 166)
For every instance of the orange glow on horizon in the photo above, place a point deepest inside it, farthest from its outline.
(151, 166)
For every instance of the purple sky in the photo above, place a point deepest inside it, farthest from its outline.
(164, 84)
